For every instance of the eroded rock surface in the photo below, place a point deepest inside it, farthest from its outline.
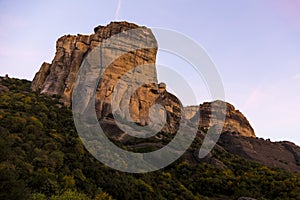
(58, 78)
(235, 122)
(124, 64)
(273, 154)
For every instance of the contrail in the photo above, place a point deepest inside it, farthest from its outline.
(118, 10)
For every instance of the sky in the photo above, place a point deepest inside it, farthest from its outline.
(254, 44)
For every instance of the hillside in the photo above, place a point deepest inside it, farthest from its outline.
(43, 157)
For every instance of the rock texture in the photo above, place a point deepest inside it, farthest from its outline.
(190, 111)
(235, 122)
(150, 105)
(273, 154)
(125, 73)
(58, 77)
(40, 77)
(143, 100)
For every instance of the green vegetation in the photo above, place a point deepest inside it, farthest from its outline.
(41, 157)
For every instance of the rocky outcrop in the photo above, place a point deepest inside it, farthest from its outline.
(150, 105)
(285, 155)
(156, 94)
(58, 78)
(132, 67)
(135, 65)
(190, 111)
(40, 77)
(235, 122)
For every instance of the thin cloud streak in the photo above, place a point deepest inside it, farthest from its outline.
(118, 10)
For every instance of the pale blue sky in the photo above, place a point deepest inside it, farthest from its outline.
(255, 45)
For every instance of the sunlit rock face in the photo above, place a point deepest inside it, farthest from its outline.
(58, 78)
(235, 121)
(119, 89)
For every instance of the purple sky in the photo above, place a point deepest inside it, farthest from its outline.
(255, 45)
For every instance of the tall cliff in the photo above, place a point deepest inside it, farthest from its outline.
(58, 78)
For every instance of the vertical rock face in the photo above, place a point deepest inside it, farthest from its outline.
(58, 78)
(40, 77)
(132, 67)
(135, 64)
(143, 100)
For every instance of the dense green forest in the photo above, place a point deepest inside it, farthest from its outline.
(42, 157)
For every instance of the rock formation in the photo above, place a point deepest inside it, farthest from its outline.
(273, 154)
(145, 97)
(235, 122)
(123, 74)
(190, 111)
(58, 78)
